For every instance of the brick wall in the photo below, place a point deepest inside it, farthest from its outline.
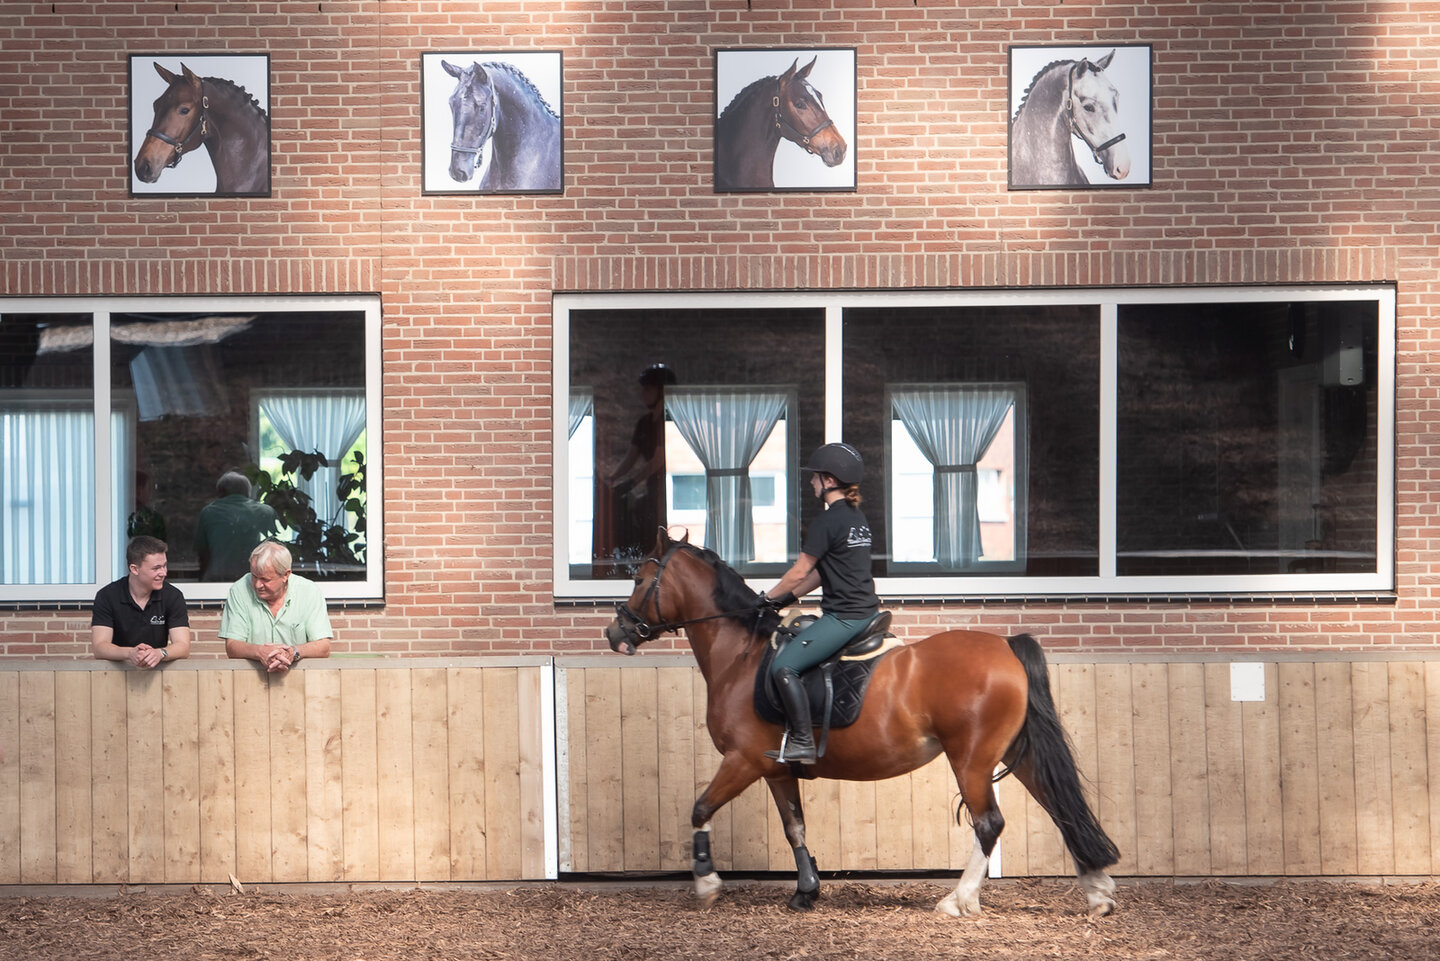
(1293, 142)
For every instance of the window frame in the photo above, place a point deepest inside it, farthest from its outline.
(1107, 584)
(101, 309)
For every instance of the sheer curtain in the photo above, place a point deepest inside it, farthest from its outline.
(726, 427)
(47, 493)
(328, 422)
(582, 402)
(953, 425)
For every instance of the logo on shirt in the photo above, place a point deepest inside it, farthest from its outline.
(157, 619)
(858, 537)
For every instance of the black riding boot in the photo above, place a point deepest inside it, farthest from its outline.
(799, 743)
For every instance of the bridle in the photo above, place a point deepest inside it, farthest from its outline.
(790, 130)
(480, 145)
(200, 133)
(1095, 151)
(634, 623)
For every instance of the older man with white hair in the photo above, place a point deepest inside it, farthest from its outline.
(274, 616)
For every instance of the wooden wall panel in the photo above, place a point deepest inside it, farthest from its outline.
(350, 772)
(74, 823)
(9, 778)
(179, 744)
(1299, 767)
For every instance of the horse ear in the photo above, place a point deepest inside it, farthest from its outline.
(451, 69)
(808, 67)
(662, 542)
(1104, 62)
(165, 75)
(789, 74)
(190, 76)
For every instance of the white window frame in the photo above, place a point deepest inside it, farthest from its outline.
(1108, 300)
(371, 588)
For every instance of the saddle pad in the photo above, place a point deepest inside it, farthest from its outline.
(851, 678)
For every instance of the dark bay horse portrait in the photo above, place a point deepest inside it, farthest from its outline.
(217, 114)
(495, 104)
(750, 129)
(981, 699)
(1068, 98)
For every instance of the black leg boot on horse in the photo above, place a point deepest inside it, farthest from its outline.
(798, 746)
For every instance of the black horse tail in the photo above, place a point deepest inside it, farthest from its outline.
(1043, 748)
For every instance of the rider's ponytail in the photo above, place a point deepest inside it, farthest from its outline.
(852, 495)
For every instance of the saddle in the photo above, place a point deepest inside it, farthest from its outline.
(836, 687)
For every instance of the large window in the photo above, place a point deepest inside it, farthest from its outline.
(1017, 443)
(187, 390)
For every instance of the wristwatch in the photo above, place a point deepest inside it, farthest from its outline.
(164, 654)
(294, 656)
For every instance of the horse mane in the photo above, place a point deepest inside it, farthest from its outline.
(1035, 80)
(237, 94)
(526, 82)
(733, 596)
(746, 92)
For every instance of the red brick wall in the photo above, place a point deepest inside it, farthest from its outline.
(1293, 142)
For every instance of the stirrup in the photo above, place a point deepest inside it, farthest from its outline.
(780, 754)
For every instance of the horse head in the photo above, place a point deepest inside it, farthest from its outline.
(181, 124)
(1093, 104)
(800, 115)
(472, 107)
(638, 619)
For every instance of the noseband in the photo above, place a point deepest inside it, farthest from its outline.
(200, 133)
(1095, 150)
(786, 128)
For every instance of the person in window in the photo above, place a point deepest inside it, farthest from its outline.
(638, 481)
(229, 528)
(140, 618)
(273, 616)
(835, 557)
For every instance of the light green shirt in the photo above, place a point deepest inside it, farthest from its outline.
(302, 617)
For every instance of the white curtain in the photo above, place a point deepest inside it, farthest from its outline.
(328, 422)
(47, 494)
(726, 427)
(582, 402)
(953, 425)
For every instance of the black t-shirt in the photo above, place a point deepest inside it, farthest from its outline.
(839, 540)
(116, 609)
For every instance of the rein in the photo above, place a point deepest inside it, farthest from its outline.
(202, 132)
(1095, 151)
(785, 126)
(636, 624)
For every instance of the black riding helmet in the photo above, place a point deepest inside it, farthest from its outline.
(840, 461)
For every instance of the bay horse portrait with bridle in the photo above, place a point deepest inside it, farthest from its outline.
(982, 700)
(216, 114)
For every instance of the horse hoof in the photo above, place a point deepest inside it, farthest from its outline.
(954, 909)
(1102, 908)
(803, 900)
(707, 889)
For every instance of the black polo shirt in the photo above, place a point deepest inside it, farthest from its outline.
(116, 609)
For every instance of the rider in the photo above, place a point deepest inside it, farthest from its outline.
(836, 557)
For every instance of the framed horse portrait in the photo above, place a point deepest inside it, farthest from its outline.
(199, 125)
(1080, 117)
(784, 119)
(492, 123)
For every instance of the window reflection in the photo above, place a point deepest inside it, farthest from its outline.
(215, 394)
(47, 450)
(1247, 438)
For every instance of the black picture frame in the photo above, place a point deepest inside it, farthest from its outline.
(751, 127)
(214, 137)
(532, 82)
(1112, 84)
